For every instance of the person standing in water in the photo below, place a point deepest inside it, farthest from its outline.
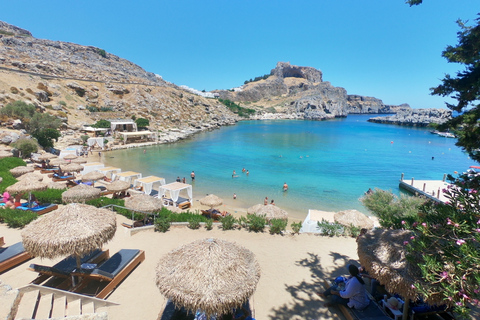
(192, 175)
(285, 186)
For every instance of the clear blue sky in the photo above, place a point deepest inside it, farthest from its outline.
(380, 48)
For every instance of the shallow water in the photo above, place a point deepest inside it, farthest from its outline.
(328, 165)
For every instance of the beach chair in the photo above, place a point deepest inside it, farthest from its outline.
(12, 256)
(64, 268)
(40, 209)
(62, 178)
(112, 271)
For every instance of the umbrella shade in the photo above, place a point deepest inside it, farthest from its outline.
(72, 167)
(70, 157)
(47, 156)
(26, 185)
(5, 154)
(211, 200)
(30, 176)
(353, 217)
(18, 171)
(93, 176)
(144, 203)
(270, 211)
(56, 185)
(72, 229)
(58, 162)
(79, 160)
(80, 193)
(383, 254)
(117, 186)
(212, 275)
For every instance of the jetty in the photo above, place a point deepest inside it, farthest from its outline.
(431, 189)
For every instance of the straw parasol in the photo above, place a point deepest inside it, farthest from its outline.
(79, 160)
(31, 176)
(382, 253)
(211, 201)
(47, 156)
(93, 176)
(82, 192)
(72, 229)
(143, 203)
(18, 171)
(58, 162)
(270, 211)
(353, 217)
(212, 275)
(117, 186)
(26, 185)
(70, 157)
(71, 167)
(56, 185)
(5, 154)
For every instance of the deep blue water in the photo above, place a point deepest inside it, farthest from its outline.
(328, 165)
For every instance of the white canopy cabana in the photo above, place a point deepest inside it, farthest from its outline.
(174, 190)
(91, 166)
(96, 141)
(123, 125)
(148, 183)
(310, 224)
(141, 134)
(128, 176)
(109, 170)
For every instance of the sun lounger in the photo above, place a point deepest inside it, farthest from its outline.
(62, 178)
(12, 256)
(64, 268)
(113, 271)
(48, 170)
(40, 209)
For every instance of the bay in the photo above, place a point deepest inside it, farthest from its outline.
(328, 165)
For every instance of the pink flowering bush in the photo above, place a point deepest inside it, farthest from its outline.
(448, 236)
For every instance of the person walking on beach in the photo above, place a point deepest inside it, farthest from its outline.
(285, 186)
(192, 175)
(265, 201)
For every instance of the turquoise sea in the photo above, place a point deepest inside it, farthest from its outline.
(328, 165)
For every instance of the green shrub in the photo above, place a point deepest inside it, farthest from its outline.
(235, 108)
(63, 103)
(102, 124)
(256, 223)
(141, 122)
(277, 226)
(162, 224)
(296, 226)
(228, 222)
(330, 229)
(26, 146)
(353, 231)
(18, 110)
(194, 222)
(243, 222)
(49, 196)
(92, 109)
(84, 138)
(16, 218)
(209, 224)
(102, 52)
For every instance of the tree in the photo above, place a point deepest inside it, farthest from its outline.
(141, 122)
(46, 136)
(40, 121)
(19, 110)
(26, 146)
(102, 124)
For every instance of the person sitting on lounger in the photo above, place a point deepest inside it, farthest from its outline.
(354, 295)
(9, 202)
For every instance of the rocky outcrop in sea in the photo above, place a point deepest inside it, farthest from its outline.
(416, 117)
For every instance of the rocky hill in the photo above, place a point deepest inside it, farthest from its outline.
(300, 92)
(82, 84)
(416, 117)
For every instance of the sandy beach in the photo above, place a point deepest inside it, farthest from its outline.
(293, 267)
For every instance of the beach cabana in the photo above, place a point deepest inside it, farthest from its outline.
(109, 171)
(139, 134)
(91, 166)
(310, 224)
(173, 191)
(211, 275)
(149, 183)
(128, 176)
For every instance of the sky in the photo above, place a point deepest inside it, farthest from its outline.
(378, 48)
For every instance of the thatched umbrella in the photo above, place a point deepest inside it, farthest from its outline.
(18, 171)
(211, 201)
(56, 185)
(269, 211)
(70, 157)
(26, 185)
(5, 154)
(353, 217)
(79, 160)
(143, 202)
(93, 176)
(118, 186)
(383, 254)
(31, 176)
(71, 167)
(58, 162)
(72, 229)
(47, 156)
(82, 193)
(212, 275)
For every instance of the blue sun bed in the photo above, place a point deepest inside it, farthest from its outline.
(40, 209)
(12, 256)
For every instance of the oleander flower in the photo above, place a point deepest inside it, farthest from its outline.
(460, 242)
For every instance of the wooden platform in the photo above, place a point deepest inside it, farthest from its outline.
(431, 189)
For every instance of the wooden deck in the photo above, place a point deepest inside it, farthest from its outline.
(431, 189)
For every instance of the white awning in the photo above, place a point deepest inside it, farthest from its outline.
(91, 166)
(174, 190)
(128, 176)
(149, 183)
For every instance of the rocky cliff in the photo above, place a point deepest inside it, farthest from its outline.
(82, 84)
(300, 92)
(416, 117)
